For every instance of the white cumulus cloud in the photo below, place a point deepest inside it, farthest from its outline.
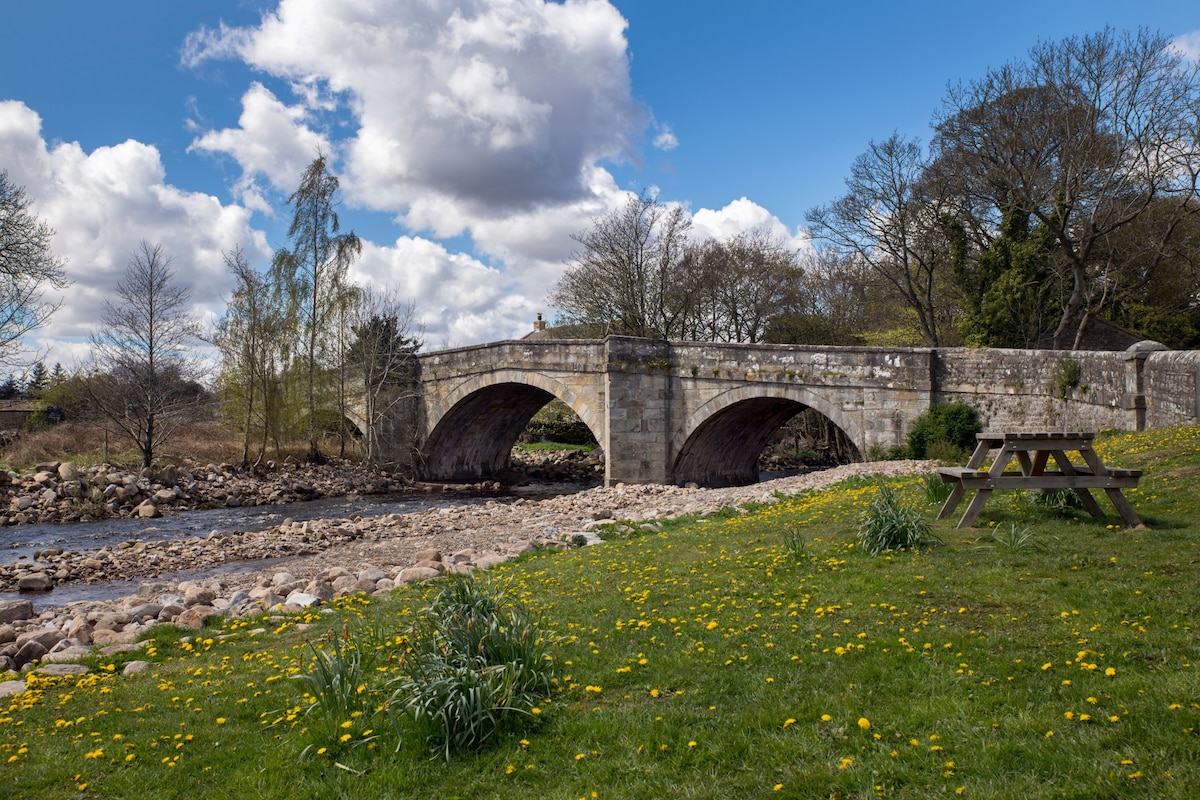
(102, 204)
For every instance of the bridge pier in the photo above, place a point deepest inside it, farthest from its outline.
(637, 436)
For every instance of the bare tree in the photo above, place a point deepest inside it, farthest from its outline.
(144, 375)
(890, 219)
(740, 285)
(27, 267)
(382, 357)
(1086, 136)
(625, 280)
(315, 270)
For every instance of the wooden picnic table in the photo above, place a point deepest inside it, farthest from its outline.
(1033, 451)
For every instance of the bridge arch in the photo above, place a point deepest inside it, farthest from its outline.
(720, 441)
(470, 433)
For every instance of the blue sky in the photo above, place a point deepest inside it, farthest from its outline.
(472, 137)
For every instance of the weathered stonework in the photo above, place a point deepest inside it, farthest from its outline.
(674, 412)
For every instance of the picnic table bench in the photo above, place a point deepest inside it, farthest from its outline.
(1032, 452)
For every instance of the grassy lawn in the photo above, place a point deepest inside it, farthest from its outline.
(744, 655)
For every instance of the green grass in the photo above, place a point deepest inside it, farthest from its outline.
(723, 658)
(554, 447)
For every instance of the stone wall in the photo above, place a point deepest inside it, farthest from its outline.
(1172, 388)
(1032, 390)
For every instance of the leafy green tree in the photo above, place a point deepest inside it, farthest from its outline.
(250, 337)
(313, 270)
(38, 380)
(1087, 136)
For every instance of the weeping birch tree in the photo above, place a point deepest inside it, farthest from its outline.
(314, 270)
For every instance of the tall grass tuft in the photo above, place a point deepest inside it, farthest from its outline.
(344, 702)
(477, 666)
(888, 525)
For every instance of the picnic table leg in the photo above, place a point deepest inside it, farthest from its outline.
(1123, 508)
(1114, 495)
(956, 495)
(1085, 496)
(972, 512)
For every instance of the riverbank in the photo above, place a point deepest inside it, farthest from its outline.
(331, 557)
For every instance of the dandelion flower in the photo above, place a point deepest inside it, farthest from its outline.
(864, 723)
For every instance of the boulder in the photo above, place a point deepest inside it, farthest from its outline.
(198, 596)
(413, 574)
(301, 599)
(29, 652)
(195, 615)
(67, 471)
(147, 510)
(11, 688)
(46, 637)
(67, 655)
(15, 610)
(170, 612)
(135, 667)
(322, 590)
(35, 582)
(103, 638)
(62, 669)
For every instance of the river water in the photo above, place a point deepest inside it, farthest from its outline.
(18, 543)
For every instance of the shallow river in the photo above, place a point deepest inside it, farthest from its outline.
(18, 543)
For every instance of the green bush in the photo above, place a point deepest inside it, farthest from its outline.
(888, 525)
(953, 424)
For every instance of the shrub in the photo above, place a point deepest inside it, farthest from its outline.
(888, 525)
(477, 666)
(954, 424)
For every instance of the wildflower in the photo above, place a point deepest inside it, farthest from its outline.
(864, 723)
(789, 721)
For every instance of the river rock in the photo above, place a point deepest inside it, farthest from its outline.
(7, 634)
(46, 637)
(195, 615)
(148, 510)
(301, 599)
(67, 471)
(15, 610)
(413, 574)
(35, 582)
(62, 669)
(135, 667)
(67, 654)
(12, 688)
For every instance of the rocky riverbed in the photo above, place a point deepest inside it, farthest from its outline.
(332, 557)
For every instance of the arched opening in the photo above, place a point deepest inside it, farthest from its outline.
(724, 449)
(474, 439)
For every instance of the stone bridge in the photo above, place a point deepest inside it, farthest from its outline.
(679, 412)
